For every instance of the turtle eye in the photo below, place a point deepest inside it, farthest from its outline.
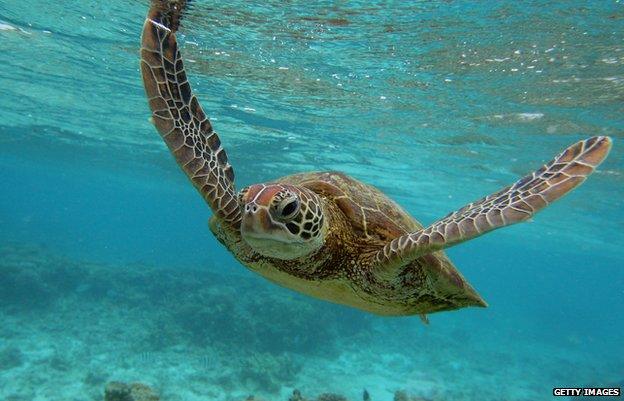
(289, 208)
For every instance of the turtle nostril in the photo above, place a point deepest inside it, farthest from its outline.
(251, 208)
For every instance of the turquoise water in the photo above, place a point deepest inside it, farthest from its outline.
(108, 270)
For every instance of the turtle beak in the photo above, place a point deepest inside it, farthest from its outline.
(256, 220)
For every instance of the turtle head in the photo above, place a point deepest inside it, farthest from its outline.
(282, 221)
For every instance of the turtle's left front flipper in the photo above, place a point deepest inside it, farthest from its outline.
(177, 114)
(513, 204)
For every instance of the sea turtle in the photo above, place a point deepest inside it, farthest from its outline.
(326, 234)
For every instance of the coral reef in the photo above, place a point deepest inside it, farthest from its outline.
(296, 396)
(194, 306)
(22, 286)
(117, 391)
(331, 397)
(263, 321)
(273, 331)
(402, 395)
(267, 372)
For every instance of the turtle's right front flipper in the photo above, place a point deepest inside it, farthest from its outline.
(513, 204)
(178, 116)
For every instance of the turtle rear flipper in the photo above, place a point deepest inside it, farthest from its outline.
(513, 204)
(177, 115)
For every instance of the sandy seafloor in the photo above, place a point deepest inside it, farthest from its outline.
(71, 326)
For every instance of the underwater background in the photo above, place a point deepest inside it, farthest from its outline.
(108, 270)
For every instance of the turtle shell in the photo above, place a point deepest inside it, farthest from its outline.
(372, 214)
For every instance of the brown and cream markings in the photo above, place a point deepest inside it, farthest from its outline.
(326, 234)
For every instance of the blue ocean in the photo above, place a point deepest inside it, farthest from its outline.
(112, 285)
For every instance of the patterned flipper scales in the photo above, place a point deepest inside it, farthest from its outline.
(177, 115)
(513, 204)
